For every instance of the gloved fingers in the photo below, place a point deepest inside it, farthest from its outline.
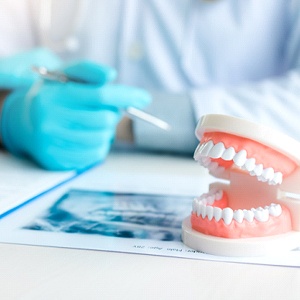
(16, 70)
(67, 159)
(83, 119)
(90, 72)
(81, 139)
(82, 96)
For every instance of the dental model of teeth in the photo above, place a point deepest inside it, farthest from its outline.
(251, 214)
(207, 151)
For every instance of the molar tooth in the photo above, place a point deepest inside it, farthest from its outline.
(240, 158)
(206, 149)
(217, 150)
(275, 209)
(238, 215)
(268, 174)
(248, 215)
(227, 215)
(209, 212)
(249, 164)
(257, 171)
(277, 179)
(219, 195)
(261, 214)
(217, 213)
(210, 199)
(228, 154)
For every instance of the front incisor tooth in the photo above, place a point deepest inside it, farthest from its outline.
(207, 147)
(217, 213)
(209, 212)
(197, 151)
(227, 215)
(217, 150)
(240, 158)
(238, 215)
(229, 154)
(203, 211)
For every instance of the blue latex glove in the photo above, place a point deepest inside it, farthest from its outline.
(67, 126)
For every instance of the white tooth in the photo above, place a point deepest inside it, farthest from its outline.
(277, 179)
(227, 215)
(240, 158)
(257, 170)
(228, 154)
(261, 178)
(210, 199)
(217, 150)
(219, 195)
(248, 215)
(207, 147)
(205, 161)
(250, 164)
(209, 212)
(212, 166)
(194, 205)
(261, 214)
(238, 215)
(218, 171)
(203, 211)
(198, 209)
(197, 151)
(275, 210)
(217, 213)
(268, 174)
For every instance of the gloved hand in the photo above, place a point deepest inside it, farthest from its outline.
(71, 125)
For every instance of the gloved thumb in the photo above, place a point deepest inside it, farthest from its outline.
(90, 72)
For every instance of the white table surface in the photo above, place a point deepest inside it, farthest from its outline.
(33, 272)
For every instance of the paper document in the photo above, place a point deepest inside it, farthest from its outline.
(21, 180)
(123, 205)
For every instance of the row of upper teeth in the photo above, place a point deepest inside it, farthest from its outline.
(227, 214)
(207, 151)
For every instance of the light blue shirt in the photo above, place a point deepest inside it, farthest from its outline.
(236, 57)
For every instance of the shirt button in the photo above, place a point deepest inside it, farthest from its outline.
(135, 51)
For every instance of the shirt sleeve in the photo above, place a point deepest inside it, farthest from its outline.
(273, 101)
(178, 112)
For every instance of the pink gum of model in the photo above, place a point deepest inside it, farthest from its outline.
(257, 213)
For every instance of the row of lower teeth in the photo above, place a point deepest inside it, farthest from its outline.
(208, 150)
(227, 214)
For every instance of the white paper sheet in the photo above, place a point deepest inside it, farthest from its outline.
(79, 215)
(21, 180)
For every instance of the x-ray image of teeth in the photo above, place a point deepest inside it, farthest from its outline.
(122, 215)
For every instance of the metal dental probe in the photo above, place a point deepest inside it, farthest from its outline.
(57, 76)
